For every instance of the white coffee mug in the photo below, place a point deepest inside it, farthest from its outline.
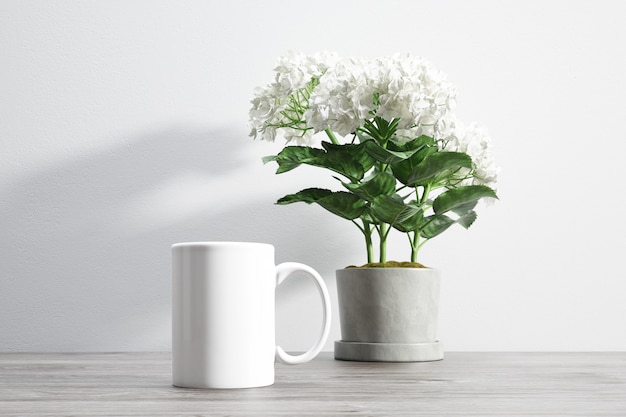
(223, 308)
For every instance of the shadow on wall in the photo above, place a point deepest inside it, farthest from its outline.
(86, 247)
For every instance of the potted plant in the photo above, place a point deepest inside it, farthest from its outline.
(402, 162)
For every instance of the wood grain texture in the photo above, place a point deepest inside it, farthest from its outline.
(463, 384)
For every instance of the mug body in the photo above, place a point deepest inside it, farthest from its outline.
(223, 332)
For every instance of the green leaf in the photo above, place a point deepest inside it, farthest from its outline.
(464, 208)
(293, 156)
(340, 203)
(416, 144)
(343, 204)
(366, 216)
(392, 210)
(460, 198)
(412, 223)
(436, 164)
(386, 156)
(269, 158)
(309, 195)
(467, 219)
(436, 224)
(439, 223)
(379, 128)
(423, 146)
(348, 160)
(344, 165)
(378, 184)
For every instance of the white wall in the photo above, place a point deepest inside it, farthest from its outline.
(123, 129)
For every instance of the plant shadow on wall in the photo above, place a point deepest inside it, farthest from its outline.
(86, 248)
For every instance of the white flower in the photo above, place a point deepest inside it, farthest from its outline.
(413, 90)
(293, 72)
(351, 91)
(342, 100)
(405, 87)
(474, 141)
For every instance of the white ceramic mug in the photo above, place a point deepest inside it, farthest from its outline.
(223, 308)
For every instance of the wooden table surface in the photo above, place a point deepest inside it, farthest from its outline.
(463, 384)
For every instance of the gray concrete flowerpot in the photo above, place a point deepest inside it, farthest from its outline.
(388, 314)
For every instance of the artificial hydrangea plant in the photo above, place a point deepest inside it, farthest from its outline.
(392, 141)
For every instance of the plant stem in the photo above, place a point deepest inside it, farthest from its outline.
(415, 243)
(427, 189)
(367, 231)
(383, 242)
(415, 246)
(331, 136)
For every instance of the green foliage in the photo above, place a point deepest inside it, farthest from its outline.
(378, 184)
(392, 210)
(341, 203)
(413, 222)
(292, 157)
(349, 160)
(437, 167)
(461, 199)
(408, 185)
(422, 146)
(435, 225)
(386, 156)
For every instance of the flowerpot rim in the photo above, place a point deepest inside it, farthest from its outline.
(378, 268)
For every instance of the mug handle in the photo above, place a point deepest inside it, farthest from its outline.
(282, 271)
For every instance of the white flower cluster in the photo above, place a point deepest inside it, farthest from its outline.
(351, 91)
(408, 88)
(474, 140)
(293, 73)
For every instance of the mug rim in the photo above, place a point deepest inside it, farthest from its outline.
(210, 244)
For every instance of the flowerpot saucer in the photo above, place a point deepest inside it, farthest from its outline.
(388, 352)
